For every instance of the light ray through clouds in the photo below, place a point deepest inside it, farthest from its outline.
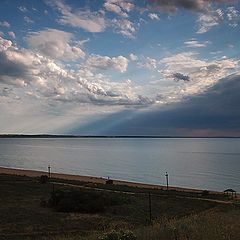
(69, 63)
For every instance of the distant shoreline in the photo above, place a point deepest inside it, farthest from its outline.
(99, 136)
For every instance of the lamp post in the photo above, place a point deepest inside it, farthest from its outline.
(49, 171)
(166, 175)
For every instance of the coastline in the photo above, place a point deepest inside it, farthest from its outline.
(93, 179)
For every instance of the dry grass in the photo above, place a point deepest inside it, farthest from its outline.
(22, 217)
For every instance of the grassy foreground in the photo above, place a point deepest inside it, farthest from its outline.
(29, 210)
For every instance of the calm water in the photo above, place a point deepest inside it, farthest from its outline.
(198, 163)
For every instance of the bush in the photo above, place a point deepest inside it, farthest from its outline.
(44, 179)
(205, 193)
(114, 235)
(84, 201)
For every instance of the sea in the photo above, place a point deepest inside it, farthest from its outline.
(201, 163)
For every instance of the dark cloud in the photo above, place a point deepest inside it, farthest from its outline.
(179, 76)
(174, 5)
(215, 112)
(12, 71)
(9, 67)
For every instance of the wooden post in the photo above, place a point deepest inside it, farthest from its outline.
(166, 175)
(150, 207)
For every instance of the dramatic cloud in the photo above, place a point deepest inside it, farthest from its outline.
(120, 7)
(40, 77)
(89, 21)
(5, 24)
(55, 44)
(201, 115)
(119, 63)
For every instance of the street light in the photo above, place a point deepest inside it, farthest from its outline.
(49, 171)
(166, 175)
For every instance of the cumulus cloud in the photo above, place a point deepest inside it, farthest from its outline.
(124, 27)
(133, 57)
(89, 21)
(120, 7)
(149, 63)
(5, 24)
(119, 63)
(55, 44)
(153, 16)
(4, 44)
(42, 78)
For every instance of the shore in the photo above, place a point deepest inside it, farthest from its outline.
(92, 179)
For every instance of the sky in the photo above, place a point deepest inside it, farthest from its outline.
(120, 67)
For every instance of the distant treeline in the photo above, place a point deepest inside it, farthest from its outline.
(95, 136)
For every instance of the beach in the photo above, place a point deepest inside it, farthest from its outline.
(86, 205)
(92, 179)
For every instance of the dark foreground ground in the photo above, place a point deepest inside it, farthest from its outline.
(77, 210)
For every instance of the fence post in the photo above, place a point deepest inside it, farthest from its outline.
(150, 207)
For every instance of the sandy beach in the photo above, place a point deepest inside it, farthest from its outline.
(92, 179)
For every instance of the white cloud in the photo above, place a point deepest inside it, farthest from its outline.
(193, 43)
(55, 44)
(4, 44)
(23, 9)
(12, 34)
(153, 16)
(233, 16)
(5, 24)
(89, 21)
(133, 57)
(149, 63)
(124, 27)
(38, 77)
(119, 63)
(202, 73)
(208, 20)
(120, 7)
(28, 19)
